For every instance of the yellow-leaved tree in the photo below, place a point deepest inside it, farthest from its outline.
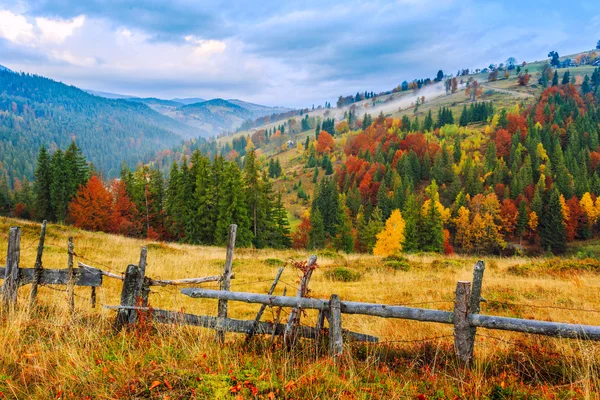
(391, 239)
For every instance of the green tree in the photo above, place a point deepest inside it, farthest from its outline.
(41, 188)
(552, 226)
(432, 226)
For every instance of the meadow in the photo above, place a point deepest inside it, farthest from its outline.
(46, 353)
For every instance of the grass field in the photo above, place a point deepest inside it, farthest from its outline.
(48, 354)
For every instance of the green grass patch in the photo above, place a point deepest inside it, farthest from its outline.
(340, 274)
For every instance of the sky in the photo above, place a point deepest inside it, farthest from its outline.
(288, 53)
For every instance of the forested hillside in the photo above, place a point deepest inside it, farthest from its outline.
(36, 111)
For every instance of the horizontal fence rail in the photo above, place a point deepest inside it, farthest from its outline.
(556, 329)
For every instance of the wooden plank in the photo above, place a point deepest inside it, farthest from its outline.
(127, 296)
(11, 276)
(462, 329)
(264, 306)
(336, 343)
(347, 307)
(187, 281)
(226, 281)
(37, 266)
(244, 326)
(71, 284)
(294, 317)
(83, 276)
(105, 273)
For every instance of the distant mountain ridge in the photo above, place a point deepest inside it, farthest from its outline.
(36, 111)
(3, 68)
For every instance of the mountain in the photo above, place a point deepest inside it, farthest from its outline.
(108, 95)
(3, 68)
(212, 116)
(189, 100)
(259, 110)
(36, 111)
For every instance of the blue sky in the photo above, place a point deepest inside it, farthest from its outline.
(292, 53)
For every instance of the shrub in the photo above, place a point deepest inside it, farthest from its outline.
(274, 262)
(397, 262)
(340, 274)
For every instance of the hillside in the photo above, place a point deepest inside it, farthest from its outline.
(3, 68)
(47, 353)
(36, 111)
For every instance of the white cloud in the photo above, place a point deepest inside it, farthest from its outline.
(67, 56)
(206, 48)
(15, 28)
(56, 30)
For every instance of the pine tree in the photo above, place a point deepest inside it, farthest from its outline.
(344, 240)
(432, 226)
(316, 236)
(555, 79)
(522, 220)
(41, 188)
(552, 226)
(78, 167)
(60, 186)
(371, 229)
(232, 208)
(282, 225)
(412, 217)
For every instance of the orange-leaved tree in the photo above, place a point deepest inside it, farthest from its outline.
(390, 240)
(325, 143)
(92, 207)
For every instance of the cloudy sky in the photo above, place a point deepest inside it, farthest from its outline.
(292, 53)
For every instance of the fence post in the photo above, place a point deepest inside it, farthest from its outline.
(335, 327)
(71, 285)
(475, 299)
(140, 284)
(277, 319)
(226, 283)
(11, 275)
(93, 297)
(37, 268)
(264, 306)
(294, 317)
(127, 296)
(462, 331)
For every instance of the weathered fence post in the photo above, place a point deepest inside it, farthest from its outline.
(37, 267)
(475, 299)
(293, 319)
(11, 275)
(140, 286)
(93, 297)
(264, 306)
(320, 323)
(71, 285)
(226, 283)
(335, 327)
(127, 296)
(462, 329)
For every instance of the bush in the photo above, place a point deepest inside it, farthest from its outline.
(340, 274)
(397, 262)
(329, 254)
(274, 262)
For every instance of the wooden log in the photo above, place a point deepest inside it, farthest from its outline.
(138, 289)
(127, 296)
(236, 325)
(11, 275)
(277, 319)
(475, 300)
(336, 343)
(347, 307)
(554, 329)
(187, 281)
(37, 267)
(294, 317)
(226, 281)
(71, 284)
(462, 331)
(264, 306)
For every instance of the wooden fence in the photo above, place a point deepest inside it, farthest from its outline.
(465, 317)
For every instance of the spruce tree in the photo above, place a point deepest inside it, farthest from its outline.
(344, 240)
(41, 188)
(552, 226)
(412, 217)
(282, 225)
(432, 226)
(316, 236)
(60, 186)
(232, 208)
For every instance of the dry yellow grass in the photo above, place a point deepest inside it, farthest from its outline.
(45, 352)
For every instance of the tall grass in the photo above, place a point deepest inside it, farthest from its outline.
(46, 353)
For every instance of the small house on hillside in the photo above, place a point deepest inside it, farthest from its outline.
(290, 144)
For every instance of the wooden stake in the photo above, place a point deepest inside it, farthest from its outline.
(140, 286)
(37, 267)
(226, 282)
(462, 331)
(294, 317)
(475, 300)
(336, 342)
(11, 275)
(277, 319)
(264, 306)
(93, 297)
(127, 296)
(71, 285)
